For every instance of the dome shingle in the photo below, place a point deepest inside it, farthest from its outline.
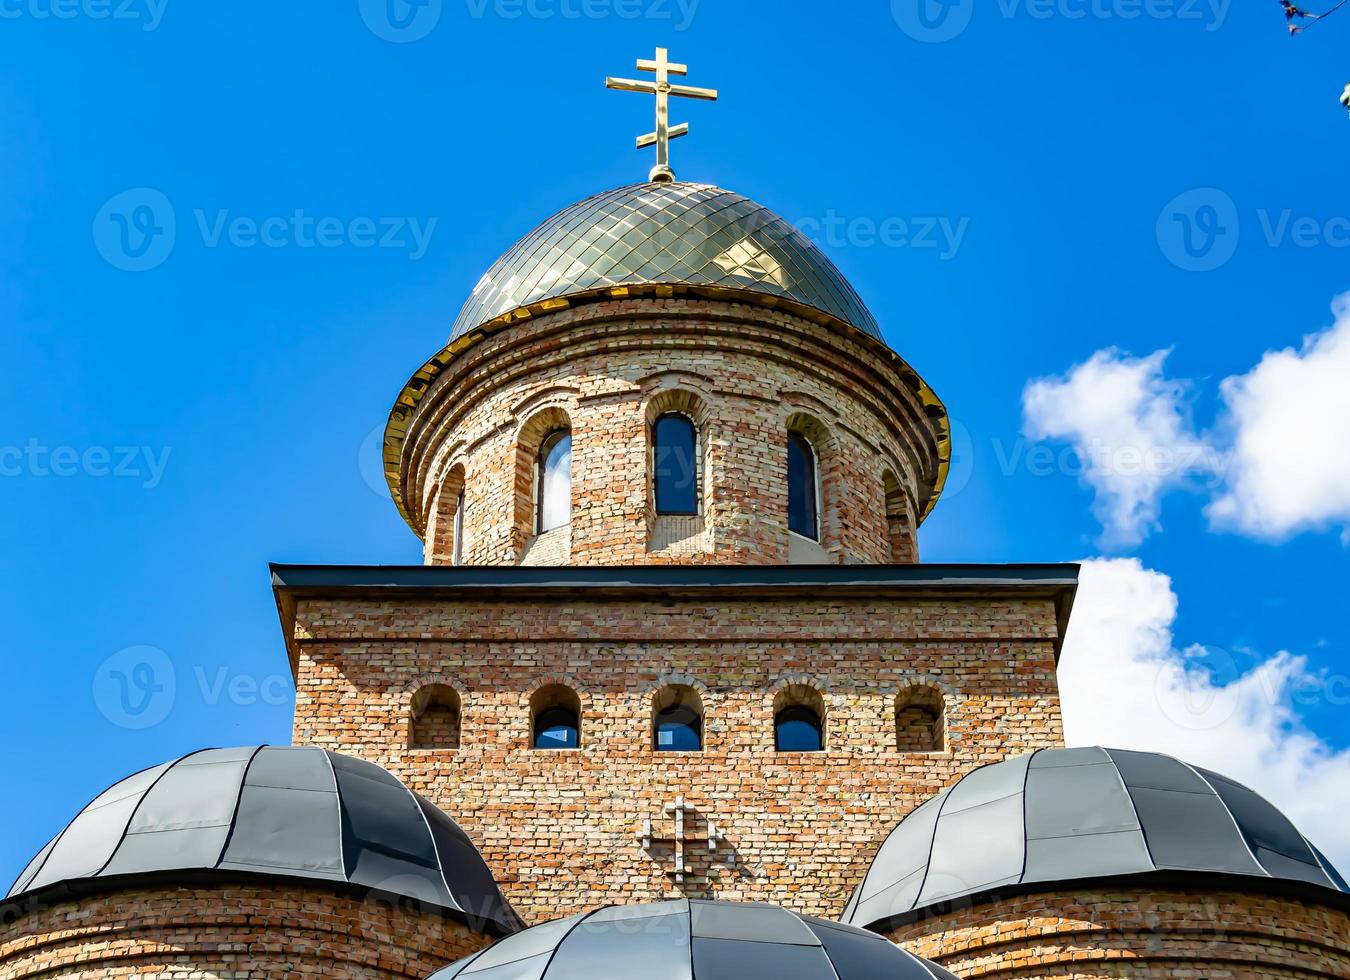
(676, 234)
(693, 940)
(274, 813)
(1073, 815)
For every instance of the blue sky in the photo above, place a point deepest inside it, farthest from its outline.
(173, 418)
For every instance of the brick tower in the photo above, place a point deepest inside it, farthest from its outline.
(655, 307)
(671, 637)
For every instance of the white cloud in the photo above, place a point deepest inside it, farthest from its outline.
(1125, 684)
(1290, 419)
(1278, 460)
(1131, 431)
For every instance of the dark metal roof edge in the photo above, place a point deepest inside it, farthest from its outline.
(293, 579)
(1209, 882)
(1059, 579)
(43, 899)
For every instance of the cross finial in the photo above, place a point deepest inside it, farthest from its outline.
(663, 90)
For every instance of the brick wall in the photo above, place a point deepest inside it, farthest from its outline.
(264, 933)
(1155, 935)
(560, 829)
(744, 374)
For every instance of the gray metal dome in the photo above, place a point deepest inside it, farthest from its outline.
(674, 234)
(274, 813)
(1069, 815)
(693, 940)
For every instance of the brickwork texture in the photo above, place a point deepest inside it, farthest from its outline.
(745, 375)
(1139, 935)
(561, 828)
(255, 931)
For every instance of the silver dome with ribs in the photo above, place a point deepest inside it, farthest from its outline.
(272, 813)
(694, 940)
(1062, 816)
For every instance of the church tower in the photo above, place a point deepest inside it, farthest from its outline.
(671, 637)
(666, 373)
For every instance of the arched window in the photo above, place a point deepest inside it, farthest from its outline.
(920, 720)
(457, 547)
(556, 711)
(798, 729)
(675, 464)
(445, 524)
(899, 527)
(553, 498)
(798, 719)
(435, 718)
(803, 488)
(678, 721)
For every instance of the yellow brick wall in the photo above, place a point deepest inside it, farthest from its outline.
(560, 829)
(261, 932)
(1137, 935)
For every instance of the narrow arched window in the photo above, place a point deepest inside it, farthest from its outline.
(803, 488)
(679, 729)
(920, 720)
(678, 722)
(675, 464)
(899, 527)
(554, 493)
(435, 718)
(457, 551)
(557, 728)
(556, 711)
(798, 729)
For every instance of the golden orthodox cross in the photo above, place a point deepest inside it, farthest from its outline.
(663, 90)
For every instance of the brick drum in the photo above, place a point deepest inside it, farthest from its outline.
(1140, 935)
(744, 374)
(561, 829)
(233, 930)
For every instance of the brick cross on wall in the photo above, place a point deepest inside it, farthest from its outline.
(678, 810)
